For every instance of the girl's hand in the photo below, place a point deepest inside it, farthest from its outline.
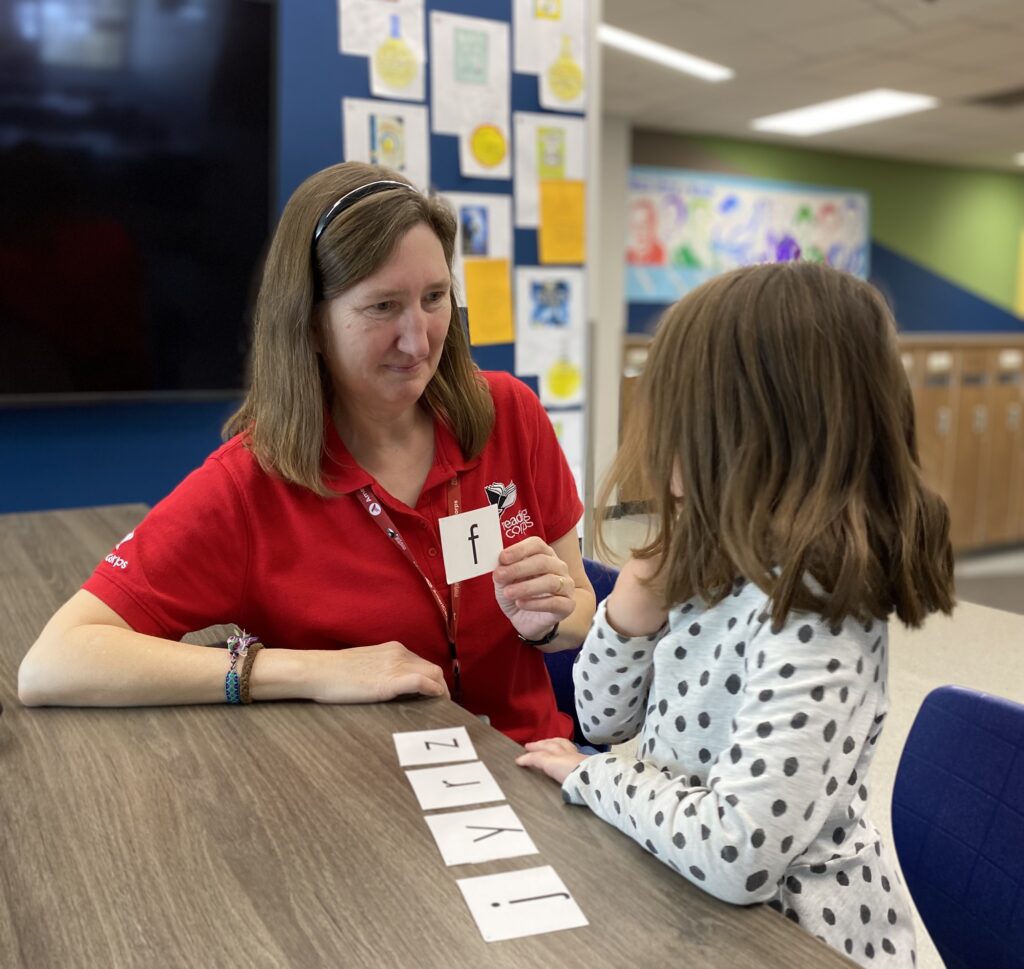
(635, 608)
(556, 757)
(533, 587)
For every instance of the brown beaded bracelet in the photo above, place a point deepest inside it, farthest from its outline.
(243, 679)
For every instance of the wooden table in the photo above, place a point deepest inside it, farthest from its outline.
(285, 835)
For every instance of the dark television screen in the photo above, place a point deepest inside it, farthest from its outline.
(135, 143)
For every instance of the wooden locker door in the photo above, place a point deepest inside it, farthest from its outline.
(1006, 443)
(935, 395)
(632, 487)
(970, 470)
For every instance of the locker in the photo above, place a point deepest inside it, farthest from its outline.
(973, 448)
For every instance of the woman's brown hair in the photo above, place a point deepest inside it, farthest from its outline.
(282, 414)
(774, 426)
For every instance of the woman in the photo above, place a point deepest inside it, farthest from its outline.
(315, 525)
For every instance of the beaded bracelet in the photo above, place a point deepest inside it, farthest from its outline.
(238, 646)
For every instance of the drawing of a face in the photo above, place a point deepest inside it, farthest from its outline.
(644, 247)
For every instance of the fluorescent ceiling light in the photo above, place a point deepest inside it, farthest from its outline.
(669, 56)
(845, 112)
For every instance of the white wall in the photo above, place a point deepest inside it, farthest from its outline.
(607, 300)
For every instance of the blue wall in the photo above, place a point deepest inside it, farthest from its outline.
(101, 454)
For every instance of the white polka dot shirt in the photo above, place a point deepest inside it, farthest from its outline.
(751, 760)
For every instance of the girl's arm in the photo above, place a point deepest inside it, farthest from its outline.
(87, 655)
(790, 769)
(634, 608)
(612, 674)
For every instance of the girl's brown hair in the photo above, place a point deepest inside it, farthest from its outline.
(282, 414)
(775, 429)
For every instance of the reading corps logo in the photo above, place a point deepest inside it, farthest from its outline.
(115, 560)
(504, 496)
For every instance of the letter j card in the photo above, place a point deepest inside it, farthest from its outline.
(470, 543)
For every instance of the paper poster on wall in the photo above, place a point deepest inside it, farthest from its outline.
(363, 24)
(489, 301)
(685, 227)
(550, 327)
(484, 231)
(389, 133)
(470, 91)
(570, 430)
(549, 147)
(561, 237)
(390, 34)
(551, 42)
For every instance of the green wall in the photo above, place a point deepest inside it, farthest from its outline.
(963, 224)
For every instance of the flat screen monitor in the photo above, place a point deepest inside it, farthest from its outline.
(135, 174)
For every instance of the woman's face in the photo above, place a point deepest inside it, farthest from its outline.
(383, 337)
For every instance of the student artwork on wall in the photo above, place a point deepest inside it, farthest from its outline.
(484, 231)
(685, 227)
(548, 148)
(523, 292)
(482, 264)
(569, 430)
(470, 81)
(389, 133)
(390, 34)
(550, 330)
(550, 40)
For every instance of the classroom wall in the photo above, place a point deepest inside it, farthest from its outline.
(77, 455)
(945, 240)
(57, 456)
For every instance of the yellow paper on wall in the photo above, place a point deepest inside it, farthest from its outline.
(488, 301)
(562, 222)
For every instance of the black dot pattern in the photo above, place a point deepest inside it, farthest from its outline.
(752, 747)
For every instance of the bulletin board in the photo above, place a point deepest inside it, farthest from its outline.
(487, 105)
(685, 227)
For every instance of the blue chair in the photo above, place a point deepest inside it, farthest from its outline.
(602, 578)
(958, 826)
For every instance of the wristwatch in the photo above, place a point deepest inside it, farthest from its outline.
(544, 640)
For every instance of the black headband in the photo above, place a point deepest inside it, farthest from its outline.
(350, 199)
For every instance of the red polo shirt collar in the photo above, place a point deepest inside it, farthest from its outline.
(343, 475)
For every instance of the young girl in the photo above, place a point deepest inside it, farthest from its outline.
(745, 646)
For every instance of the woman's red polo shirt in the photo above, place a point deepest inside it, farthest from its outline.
(234, 544)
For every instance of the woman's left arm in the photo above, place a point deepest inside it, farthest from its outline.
(538, 585)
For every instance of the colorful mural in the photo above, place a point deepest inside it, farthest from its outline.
(685, 227)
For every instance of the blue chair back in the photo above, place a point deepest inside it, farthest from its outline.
(602, 578)
(958, 826)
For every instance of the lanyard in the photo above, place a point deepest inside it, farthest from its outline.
(451, 617)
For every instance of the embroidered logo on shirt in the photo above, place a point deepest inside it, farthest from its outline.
(504, 496)
(115, 560)
(517, 524)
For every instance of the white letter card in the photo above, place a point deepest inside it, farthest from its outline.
(445, 746)
(471, 543)
(486, 834)
(518, 903)
(454, 786)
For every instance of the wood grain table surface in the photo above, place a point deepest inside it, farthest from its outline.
(285, 835)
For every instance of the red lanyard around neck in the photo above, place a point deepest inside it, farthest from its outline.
(451, 616)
